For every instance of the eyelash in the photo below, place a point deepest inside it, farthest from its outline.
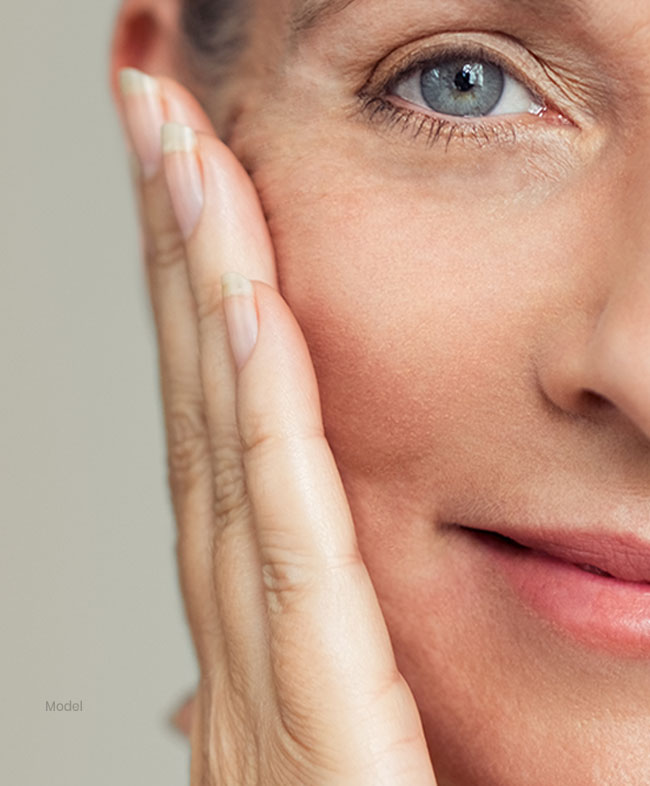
(380, 111)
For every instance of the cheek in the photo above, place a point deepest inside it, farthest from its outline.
(413, 313)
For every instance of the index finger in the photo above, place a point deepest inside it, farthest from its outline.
(332, 657)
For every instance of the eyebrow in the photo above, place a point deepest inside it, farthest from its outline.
(312, 13)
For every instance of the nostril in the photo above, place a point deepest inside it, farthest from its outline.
(592, 399)
(593, 404)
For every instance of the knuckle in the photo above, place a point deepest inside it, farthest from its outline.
(186, 450)
(256, 437)
(291, 578)
(259, 439)
(208, 298)
(165, 249)
(286, 584)
(230, 498)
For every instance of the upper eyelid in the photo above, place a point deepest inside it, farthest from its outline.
(548, 93)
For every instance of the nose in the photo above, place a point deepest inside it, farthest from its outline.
(597, 362)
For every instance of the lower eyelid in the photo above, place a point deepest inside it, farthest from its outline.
(408, 121)
(395, 117)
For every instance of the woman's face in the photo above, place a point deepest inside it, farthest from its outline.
(476, 298)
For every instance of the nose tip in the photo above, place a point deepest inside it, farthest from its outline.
(617, 366)
(602, 371)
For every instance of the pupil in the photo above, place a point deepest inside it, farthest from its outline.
(466, 78)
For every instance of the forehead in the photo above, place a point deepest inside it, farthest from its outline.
(612, 32)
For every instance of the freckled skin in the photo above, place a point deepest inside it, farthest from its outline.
(457, 306)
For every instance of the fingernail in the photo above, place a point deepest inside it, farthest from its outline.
(184, 181)
(241, 315)
(143, 113)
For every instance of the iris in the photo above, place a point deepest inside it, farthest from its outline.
(458, 87)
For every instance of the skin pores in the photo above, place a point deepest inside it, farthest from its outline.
(466, 308)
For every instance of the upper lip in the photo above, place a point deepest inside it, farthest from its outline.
(624, 556)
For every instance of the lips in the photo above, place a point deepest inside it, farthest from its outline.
(624, 556)
(592, 587)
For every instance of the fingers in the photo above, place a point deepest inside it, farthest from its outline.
(223, 224)
(322, 608)
(333, 665)
(171, 298)
(288, 598)
(286, 519)
(313, 572)
(147, 103)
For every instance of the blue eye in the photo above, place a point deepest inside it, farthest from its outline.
(465, 87)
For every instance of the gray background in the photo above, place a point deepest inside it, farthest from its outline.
(90, 605)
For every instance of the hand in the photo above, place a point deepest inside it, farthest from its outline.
(298, 680)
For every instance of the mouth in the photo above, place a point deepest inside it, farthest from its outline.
(621, 557)
(593, 587)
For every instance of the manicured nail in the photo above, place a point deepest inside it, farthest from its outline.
(143, 113)
(241, 315)
(184, 181)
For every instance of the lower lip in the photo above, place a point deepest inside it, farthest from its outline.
(598, 611)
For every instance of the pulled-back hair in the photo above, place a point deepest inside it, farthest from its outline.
(216, 32)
